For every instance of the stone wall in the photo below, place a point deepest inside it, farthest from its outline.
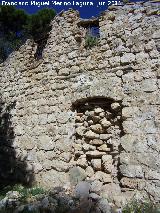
(90, 113)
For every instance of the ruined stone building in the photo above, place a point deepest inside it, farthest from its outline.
(81, 113)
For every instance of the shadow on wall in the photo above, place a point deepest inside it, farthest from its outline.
(13, 170)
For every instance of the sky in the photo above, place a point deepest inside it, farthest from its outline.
(85, 11)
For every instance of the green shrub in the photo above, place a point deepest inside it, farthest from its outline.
(24, 191)
(30, 211)
(125, 1)
(91, 41)
(16, 26)
(136, 206)
(29, 192)
(38, 24)
(26, 194)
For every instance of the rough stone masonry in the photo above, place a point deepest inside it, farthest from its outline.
(89, 114)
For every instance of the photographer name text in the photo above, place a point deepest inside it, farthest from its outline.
(60, 3)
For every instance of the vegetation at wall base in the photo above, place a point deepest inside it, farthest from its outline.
(25, 192)
(139, 206)
(29, 197)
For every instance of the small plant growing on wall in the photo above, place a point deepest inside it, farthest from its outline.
(92, 37)
(125, 1)
(91, 41)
